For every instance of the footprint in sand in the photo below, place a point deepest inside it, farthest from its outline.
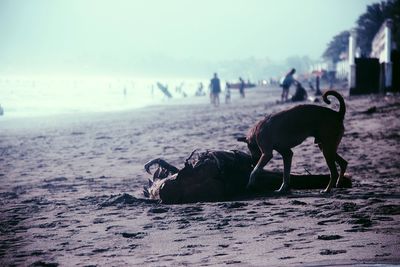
(77, 133)
(332, 252)
(361, 220)
(329, 237)
(46, 264)
(297, 202)
(388, 210)
(158, 210)
(233, 205)
(328, 222)
(138, 235)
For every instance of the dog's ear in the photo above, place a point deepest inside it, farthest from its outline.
(242, 139)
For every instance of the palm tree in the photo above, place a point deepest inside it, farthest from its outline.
(337, 46)
(370, 22)
(368, 25)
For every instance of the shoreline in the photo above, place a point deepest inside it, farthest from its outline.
(52, 120)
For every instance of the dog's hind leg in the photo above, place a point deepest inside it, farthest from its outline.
(264, 159)
(287, 156)
(330, 156)
(343, 166)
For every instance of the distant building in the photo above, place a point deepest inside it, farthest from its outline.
(381, 48)
(374, 74)
(342, 67)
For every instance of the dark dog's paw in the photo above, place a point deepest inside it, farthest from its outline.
(341, 183)
(285, 191)
(326, 191)
(250, 187)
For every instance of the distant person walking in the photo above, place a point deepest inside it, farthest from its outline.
(241, 87)
(286, 83)
(227, 94)
(215, 89)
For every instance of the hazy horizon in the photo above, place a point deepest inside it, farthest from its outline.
(165, 37)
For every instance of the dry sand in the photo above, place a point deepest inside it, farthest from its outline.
(70, 191)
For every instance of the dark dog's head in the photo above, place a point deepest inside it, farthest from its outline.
(253, 147)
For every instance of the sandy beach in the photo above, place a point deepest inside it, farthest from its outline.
(71, 191)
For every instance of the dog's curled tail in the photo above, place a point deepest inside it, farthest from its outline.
(342, 107)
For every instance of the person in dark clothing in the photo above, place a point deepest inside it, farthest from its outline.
(215, 89)
(318, 91)
(286, 83)
(241, 87)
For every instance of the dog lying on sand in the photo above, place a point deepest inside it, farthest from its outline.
(287, 129)
(219, 176)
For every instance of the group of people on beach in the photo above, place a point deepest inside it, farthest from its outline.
(215, 90)
(287, 81)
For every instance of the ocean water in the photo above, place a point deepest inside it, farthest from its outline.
(42, 96)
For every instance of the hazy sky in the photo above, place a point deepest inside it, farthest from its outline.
(75, 31)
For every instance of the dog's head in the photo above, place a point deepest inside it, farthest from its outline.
(253, 147)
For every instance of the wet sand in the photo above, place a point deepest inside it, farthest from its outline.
(71, 191)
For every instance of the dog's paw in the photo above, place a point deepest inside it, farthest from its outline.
(326, 191)
(342, 182)
(250, 187)
(284, 190)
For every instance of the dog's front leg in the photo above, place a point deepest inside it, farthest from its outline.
(287, 156)
(264, 159)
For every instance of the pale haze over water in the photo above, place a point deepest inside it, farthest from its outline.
(150, 40)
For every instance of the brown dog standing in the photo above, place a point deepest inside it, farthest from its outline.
(287, 129)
